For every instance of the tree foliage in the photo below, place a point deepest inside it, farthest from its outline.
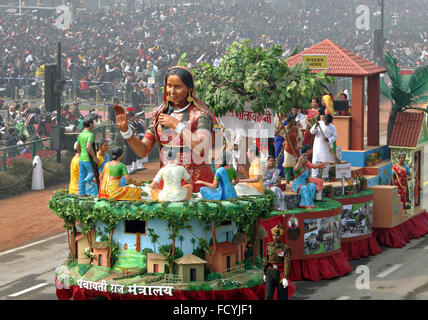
(257, 77)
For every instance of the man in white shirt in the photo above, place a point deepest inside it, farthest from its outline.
(323, 145)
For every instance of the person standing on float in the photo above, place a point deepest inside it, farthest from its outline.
(400, 174)
(291, 145)
(277, 266)
(86, 140)
(182, 123)
(325, 135)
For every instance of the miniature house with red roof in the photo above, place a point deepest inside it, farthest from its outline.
(223, 258)
(409, 136)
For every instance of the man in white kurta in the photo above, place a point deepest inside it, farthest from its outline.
(321, 152)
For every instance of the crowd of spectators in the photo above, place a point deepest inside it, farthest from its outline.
(113, 50)
(117, 46)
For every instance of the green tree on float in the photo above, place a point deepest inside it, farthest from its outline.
(181, 239)
(153, 238)
(257, 77)
(405, 93)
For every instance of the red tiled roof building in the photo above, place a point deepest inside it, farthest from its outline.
(407, 129)
(344, 63)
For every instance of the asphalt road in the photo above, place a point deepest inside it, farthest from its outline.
(28, 272)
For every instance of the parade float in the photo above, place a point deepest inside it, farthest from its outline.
(214, 249)
(119, 244)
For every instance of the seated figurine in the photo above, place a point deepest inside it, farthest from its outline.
(221, 188)
(110, 187)
(271, 181)
(319, 183)
(302, 183)
(172, 174)
(254, 185)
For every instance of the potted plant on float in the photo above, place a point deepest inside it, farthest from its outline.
(356, 179)
(362, 182)
(371, 160)
(349, 190)
(328, 190)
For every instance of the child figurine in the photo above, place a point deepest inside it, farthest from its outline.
(172, 174)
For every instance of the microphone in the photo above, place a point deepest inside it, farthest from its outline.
(168, 111)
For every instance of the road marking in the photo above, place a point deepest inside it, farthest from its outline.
(343, 298)
(29, 289)
(389, 270)
(426, 248)
(32, 244)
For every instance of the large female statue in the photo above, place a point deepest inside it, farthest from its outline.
(182, 123)
(400, 174)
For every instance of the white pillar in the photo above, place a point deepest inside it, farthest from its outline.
(38, 182)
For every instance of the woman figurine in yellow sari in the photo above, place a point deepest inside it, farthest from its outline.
(74, 171)
(253, 186)
(110, 181)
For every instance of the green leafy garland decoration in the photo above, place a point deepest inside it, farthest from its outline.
(243, 211)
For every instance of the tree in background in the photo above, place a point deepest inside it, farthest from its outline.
(405, 93)
(257, 77)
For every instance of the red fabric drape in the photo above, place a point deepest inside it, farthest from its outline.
(362, 248)
(399, 236)
(254, 293)
(268, 224)
(316, 269)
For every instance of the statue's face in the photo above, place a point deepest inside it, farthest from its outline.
(401, 159)
(176, 90)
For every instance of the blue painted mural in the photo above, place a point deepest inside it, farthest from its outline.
(128, 241)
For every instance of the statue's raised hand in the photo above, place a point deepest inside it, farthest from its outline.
(121, 118)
